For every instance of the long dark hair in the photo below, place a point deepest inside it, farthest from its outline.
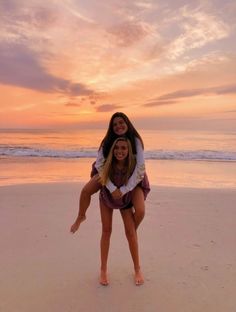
(110, 136)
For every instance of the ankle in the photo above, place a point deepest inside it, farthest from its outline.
(80, 218)
(103, 270)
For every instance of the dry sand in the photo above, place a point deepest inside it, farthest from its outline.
(187, 245)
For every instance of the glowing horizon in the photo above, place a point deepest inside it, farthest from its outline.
(164, 63)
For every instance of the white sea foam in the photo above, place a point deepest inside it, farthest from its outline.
(207, 155)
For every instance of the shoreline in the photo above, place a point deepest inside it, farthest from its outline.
(156, 187)
(187, 251)
(196, 174)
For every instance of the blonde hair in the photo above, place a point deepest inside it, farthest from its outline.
(108, 168)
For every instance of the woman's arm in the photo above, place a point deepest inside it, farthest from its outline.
(100, 160)
(99, 165)
(136, 176)
(139, 170)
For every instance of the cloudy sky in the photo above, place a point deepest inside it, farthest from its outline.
(72, 63)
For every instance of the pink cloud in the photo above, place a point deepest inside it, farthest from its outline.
(20, 67)
(128, 33)
(107, 107)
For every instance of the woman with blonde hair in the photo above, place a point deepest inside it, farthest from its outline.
(118, 167)
(119, 125)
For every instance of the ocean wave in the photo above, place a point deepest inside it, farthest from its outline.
(18, 151)
(207, 155)
(191, 155)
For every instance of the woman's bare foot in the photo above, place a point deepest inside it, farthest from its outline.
(103, 278)
(138, 277)
(76, 225)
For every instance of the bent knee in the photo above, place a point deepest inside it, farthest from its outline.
(140, 213)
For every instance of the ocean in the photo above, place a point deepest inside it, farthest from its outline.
(173, 158)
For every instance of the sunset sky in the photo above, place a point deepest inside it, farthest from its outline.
(168, 64)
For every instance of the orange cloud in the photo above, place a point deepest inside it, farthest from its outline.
(107, 107)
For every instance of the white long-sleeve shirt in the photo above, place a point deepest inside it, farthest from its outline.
(136, 176)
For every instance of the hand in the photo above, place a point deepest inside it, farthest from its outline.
(116, 194)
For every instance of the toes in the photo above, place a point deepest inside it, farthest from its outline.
(139, 282)
(103, 279)
(104, 283)
(138, 278)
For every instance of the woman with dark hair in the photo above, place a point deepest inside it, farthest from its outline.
(119, 125)
(119, 166)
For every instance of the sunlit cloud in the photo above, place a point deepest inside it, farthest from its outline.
(198, 28)
(231, 89)
(20, 67)
(159, 103)
(129, 32)
(26, 24)
(75, 12)
(146, 55)
(72, 105)
(177, 96)
(107, 107)
(144, 4)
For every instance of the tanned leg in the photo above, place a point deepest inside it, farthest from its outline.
(131, 235)
(106, 217)
(85, 197)
(139, 206)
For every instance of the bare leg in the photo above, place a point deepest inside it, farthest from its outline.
(139, 206)
(131, 234)
(85, 197)
(106, 217)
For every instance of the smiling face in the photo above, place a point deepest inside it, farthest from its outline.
(121, 150)
(119, 126)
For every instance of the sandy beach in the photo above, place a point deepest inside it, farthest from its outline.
(187, 246)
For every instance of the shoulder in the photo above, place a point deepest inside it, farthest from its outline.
(138, 143)
(101, 146)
